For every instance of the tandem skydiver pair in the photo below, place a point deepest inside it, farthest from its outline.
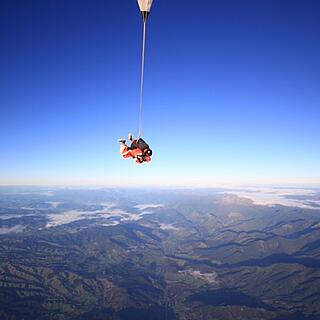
(138, 149)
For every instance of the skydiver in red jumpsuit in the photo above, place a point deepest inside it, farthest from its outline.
(138, 150)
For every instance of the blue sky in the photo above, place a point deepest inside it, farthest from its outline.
(232, 91)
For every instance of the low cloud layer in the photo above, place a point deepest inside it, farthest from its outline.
(303, 198)
(16, 229)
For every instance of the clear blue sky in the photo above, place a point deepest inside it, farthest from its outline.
(232, 91)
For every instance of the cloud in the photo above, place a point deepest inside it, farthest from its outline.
(15, 216)
(234, 216)
(166, 226)
(114, 214)
(207, 277)
(17, 228)
(65, 218)
(147, 206)
(274, 196)
(54, 204)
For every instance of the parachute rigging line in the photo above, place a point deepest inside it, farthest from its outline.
(142, 78)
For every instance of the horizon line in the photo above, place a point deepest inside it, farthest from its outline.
(153, 186)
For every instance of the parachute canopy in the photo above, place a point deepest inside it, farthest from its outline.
(145, 5)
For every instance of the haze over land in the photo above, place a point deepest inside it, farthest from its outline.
(75, 253)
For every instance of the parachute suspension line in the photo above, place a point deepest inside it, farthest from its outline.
(142, 78)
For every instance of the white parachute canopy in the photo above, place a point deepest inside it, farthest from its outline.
(145, 5)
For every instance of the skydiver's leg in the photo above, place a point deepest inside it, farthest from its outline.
(133, 141)
(130, 137)
(124, 149)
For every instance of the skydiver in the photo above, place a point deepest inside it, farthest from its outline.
(138, 150)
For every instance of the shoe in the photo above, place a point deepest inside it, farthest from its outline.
(122, 140)
(130, 137)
